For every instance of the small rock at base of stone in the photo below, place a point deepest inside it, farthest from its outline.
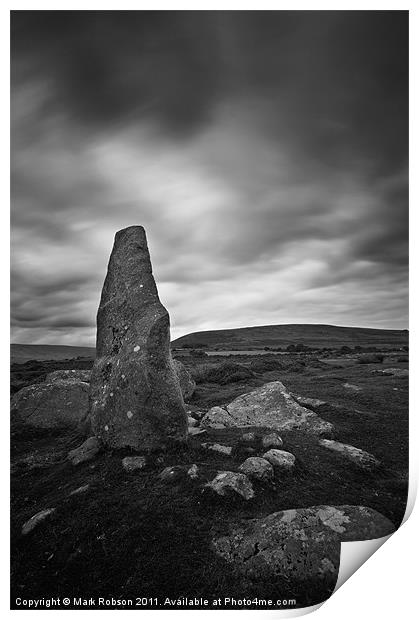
(132, 463)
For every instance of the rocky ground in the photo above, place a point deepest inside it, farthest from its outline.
(121, 532)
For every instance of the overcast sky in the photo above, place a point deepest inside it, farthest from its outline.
(265, 153)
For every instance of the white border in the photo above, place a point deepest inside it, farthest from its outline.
(385, 586)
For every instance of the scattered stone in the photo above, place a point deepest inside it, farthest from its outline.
(216, 447)
(301, 544)
(135, 395)
(308, 402)
(257, 468)
(86, 452)
(186, 381)
(271, 406)
(393, 372)
(132, 463)
(359, 457)
(228, 482)
(193, 472)
(249, 437)
(280, 459)
(58, 404)
(193, 430)
(36, 520)
(192, 421)
(80, 490)
(68, 375)
(247, 450)
(272, 440)
(175, 473)
(351, 386)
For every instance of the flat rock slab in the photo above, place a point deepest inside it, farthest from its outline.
(299, 544)
(86, 452)
(271, 406)
(280, 459)
(257, 468)
(216, 447)
(134, 463)
(56, 404)
(227, 483)
(359, 457)
(36, 520)
(351, 386)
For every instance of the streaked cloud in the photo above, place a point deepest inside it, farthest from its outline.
(270, 179)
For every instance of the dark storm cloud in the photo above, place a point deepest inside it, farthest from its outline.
(264, 152)
(339, 77)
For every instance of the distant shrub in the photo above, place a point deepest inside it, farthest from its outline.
(375, 358)
(265, 364)
(198, 353)
(227, 372)
(403, 358)
(345, 349)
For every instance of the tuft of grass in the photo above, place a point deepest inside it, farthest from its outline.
(227, 372)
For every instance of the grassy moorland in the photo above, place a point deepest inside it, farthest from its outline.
(129, 535)
(284, 335)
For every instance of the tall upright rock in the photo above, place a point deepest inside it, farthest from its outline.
(135, 397)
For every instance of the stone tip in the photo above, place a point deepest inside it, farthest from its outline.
(131, 231)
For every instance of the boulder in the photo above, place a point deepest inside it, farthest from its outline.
(56, 404)
(66, 375)
(280, 459)
(228, 482)
(135, 397)
(133, 463)
(192, 421)
(36, 520)
(299, 544)
(186, 381)
(271, 440)
(270, 405)
(86, 452)
(257, 468)
(359, 457)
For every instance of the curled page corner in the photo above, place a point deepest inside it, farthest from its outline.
(354, 554)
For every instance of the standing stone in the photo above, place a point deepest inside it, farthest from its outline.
(135, 397)
(186, 381)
